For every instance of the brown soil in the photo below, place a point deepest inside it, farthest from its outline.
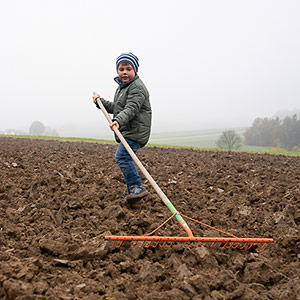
(59, 200)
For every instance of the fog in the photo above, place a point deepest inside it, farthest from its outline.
(206, 64)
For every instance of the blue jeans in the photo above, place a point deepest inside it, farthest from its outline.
(127, 166)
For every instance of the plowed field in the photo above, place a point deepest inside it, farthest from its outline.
(59, 199)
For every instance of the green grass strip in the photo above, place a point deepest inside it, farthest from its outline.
(111, 142)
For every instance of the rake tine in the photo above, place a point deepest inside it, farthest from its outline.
(142, 244)
(163, 244)
(250, 246)
(228, 247)
(134, 244)
(243, 246)
(154, 246)
(223, 245)
(234, 247)
(112, 244)
(120, 244)
(212, 244)
(258, 244)
(170, 244)
(261, 246)
(148, 245)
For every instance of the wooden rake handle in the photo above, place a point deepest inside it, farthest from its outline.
(158, 190)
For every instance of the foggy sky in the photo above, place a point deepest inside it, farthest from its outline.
(207, 64)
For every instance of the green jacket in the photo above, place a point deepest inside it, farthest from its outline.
(131, 109)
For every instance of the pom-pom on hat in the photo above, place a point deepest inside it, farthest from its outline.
(129, 58)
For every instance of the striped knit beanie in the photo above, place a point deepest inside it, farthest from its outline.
(129, 58)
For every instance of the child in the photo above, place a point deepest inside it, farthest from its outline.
(132, 116)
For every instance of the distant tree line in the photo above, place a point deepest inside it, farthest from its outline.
(275, 133)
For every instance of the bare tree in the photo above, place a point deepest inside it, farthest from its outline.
(229, 140)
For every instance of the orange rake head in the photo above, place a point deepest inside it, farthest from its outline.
(161, 241)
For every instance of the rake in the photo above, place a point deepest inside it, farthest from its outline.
(153, 241)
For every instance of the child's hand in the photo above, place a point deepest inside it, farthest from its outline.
(95, 97)
(114, 123)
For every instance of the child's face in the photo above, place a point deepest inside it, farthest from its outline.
(125, 72)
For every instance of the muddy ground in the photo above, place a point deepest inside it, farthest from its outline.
(59, 200)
